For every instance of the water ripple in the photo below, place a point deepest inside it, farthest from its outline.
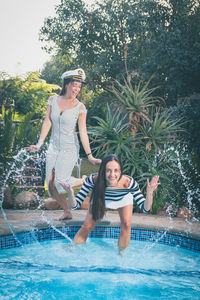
(104, 269)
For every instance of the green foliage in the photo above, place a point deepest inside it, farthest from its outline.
(7, 135)
(135, 99)
(151, 149)
(14, 136)
(27, 131)
(97, 105)
(30, 93)
(10, 89)
(21, 95)
(189, 153)
(54, 68)
(111, 135)
(159, 129)
(151, 125)
(35, 93)
(164, 164)
(132, 39)
(190, 112)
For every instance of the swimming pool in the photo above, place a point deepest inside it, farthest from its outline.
(52, 269)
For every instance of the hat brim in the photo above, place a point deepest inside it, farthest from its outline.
(73, 79)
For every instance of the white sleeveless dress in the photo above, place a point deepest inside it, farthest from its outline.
(63, 150)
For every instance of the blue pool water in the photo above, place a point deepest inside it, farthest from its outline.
(54, 269)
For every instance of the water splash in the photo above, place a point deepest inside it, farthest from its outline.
(12, 169)
(56, 229)
(190, 193)
(16, 169)
(9, 225)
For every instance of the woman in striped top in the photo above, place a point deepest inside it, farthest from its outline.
(110, 188)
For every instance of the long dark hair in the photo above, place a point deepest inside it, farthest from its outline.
(65, 82)
(97, 199)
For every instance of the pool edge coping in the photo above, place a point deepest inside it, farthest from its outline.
(22, 221)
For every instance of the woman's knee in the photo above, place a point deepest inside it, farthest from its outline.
(126, 225)
(52, 189)
(87, 227)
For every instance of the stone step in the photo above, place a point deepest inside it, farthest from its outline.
(28, 176)
(29, 180)
(31, 168)
(30, 171)
(39, 189)
(33, 161)
(30, 186)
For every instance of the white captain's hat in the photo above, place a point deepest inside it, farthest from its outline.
(74, 75)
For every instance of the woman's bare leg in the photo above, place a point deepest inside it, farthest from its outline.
(125, 214)
(60, 198)
(88, 225)
(53, 203)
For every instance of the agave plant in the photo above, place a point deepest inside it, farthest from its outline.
(132, 132)
(164, 164)
(160, 130)
(111, 135)
(136, 101)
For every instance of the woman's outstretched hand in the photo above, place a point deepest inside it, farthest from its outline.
(153, 184)
(32, 148)
(35, 148)
(66, 187)
(93, 160)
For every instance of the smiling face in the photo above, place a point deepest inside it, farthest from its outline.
(112, 173)
(73, 88)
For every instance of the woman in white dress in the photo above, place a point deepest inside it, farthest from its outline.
(111, 189)
(64, 111)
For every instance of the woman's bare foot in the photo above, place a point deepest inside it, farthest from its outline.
(121, 249)
(65, 216)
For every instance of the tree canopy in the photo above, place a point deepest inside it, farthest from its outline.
(134, 39)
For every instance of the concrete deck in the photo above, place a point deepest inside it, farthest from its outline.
(25, 220)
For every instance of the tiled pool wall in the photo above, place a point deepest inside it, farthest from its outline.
(9, 241)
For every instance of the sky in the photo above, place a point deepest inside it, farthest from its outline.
(20, 22)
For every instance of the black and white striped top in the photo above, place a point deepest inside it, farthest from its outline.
(111, 194)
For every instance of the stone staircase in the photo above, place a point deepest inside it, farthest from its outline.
(31, 177)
